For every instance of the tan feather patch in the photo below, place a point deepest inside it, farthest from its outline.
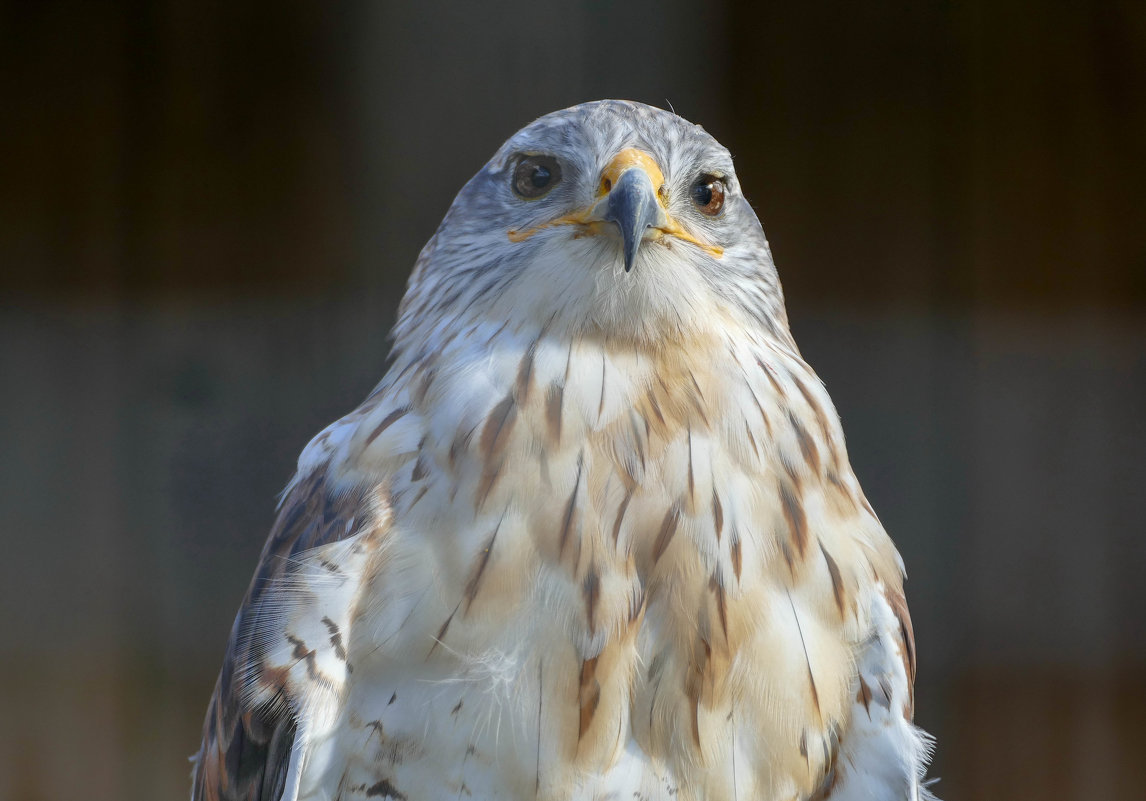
(589, 695)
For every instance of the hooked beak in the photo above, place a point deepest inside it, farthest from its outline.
(630, 191)
(632, 206)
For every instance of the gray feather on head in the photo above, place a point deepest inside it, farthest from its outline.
(559, 258)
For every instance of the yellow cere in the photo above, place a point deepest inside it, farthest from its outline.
(627, 159)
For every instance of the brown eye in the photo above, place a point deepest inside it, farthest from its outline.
(535, 175)
(708, 194)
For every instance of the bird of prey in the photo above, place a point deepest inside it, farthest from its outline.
(593, 536)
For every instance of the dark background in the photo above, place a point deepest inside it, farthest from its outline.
(208, 211)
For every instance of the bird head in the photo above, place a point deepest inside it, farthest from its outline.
(610, 219)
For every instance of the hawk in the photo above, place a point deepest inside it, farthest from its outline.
(593, 536)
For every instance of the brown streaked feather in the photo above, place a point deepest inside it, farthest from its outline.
(822, 419)
(490, 473)
(441, 635)
(807, 445)
(422, 387)
(694, 685)
(793, 508)
(759, 407)
(721, 605)
(665, 535)
(497, 427)
(779, 390)
(697, 398)
(634, 422)
(601, 405)
(898, 604)
(554, 399)
(591, 589)
(863, 695)
(303, 653)
(837, 579)
(479, 568)
(839, 496)
(815, 693)
(387, 421)
(524, 383)
(735, 552)
(717, 514)
(491, 443)
(621, 515)
(691, 478)
(570, 517)
(335, 638)
(246, 748)
(459, 445)
(589, 695)
(655, 405)
(831, 770)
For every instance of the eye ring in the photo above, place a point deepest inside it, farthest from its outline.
(535, 175)
(708, 193)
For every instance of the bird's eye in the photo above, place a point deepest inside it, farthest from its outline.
(708, 194)
(535, 175)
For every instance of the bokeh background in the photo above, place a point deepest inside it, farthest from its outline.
(208, 211)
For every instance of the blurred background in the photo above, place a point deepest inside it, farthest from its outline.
(208, 211)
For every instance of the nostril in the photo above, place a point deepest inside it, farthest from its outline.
(662, 192)
(606, 184)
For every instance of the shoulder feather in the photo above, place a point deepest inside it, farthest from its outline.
(250, 729)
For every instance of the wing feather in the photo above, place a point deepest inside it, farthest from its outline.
(250, 729)
(882, 753)
(906, 644)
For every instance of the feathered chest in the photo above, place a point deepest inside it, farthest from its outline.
(617, 555)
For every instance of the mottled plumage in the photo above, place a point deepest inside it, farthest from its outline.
(594, 535)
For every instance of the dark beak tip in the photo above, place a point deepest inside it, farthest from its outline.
(631, 248)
